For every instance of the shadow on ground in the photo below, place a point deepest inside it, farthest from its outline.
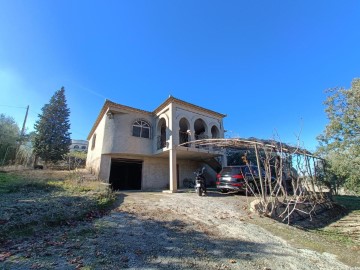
(123, 240)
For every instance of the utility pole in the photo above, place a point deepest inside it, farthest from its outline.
(23, 127)
(21, 136)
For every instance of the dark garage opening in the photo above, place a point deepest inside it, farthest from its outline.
(125, 174)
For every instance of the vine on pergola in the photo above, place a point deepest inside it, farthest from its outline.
(273, 198)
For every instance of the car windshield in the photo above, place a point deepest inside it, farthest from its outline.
(230, 171)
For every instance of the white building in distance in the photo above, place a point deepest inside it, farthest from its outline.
(79, 145)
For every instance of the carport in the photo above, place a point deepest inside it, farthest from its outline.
(264, 149)
(279, 160)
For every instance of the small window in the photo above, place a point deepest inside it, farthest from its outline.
(93, 142)
(141, 129)
(76, 147)
(83, 147)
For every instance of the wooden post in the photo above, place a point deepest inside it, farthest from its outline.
(172, 169)
(308, 166)
(23, 127)
(17, 150)
(260, 174)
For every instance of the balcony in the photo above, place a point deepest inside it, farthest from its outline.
(201, 137)
(161, 142)
(183, 138)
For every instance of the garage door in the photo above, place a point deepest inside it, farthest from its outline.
(125, 174)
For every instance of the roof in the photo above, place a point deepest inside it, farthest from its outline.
(172, 99)
(110, 105)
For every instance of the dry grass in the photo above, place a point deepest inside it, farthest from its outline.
(34, 200)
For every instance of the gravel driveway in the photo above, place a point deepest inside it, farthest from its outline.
(182, 230)
(154, 230)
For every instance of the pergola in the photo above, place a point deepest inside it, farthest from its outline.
(241, 143)
(255, 144)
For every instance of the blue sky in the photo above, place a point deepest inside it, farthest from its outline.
(266, 64)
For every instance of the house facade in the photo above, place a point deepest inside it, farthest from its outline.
(136, 149)
(78, 146)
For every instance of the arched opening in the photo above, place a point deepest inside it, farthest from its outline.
(184, 126)
(161, 131)
(200, 129)
(215, 133)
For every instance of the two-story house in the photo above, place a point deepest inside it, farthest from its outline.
(133, 149)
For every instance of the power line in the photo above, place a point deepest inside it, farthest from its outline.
(75, 132)
(37, 113)
(10, 106)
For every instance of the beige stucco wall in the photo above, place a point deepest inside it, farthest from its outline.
(114, 139)
(187, 169)
(105, 165)
(191, 115)
(155, 172)
(93, 159)
(119, 137)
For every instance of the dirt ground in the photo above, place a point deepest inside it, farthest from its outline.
(156, 230)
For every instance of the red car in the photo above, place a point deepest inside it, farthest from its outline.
(239, 178)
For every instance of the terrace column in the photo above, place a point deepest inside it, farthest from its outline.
(172, 170)
(172, 151)
(191, 134)
(224, 160)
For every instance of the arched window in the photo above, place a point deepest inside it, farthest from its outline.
(141, 129)
(76, 147)
(83, 147)
(161, 132)
(184, 128)
(215, 132)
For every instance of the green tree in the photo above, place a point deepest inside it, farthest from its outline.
(340, 141)
(52, 139)
(9, 138)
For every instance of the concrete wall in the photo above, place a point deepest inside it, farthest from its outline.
(186, 170)
(93, 159)
(191, 116)
(114, 139)
(119, 138)
(105, 166)
(156, 172)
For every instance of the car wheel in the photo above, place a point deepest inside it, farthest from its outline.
(224, 191)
